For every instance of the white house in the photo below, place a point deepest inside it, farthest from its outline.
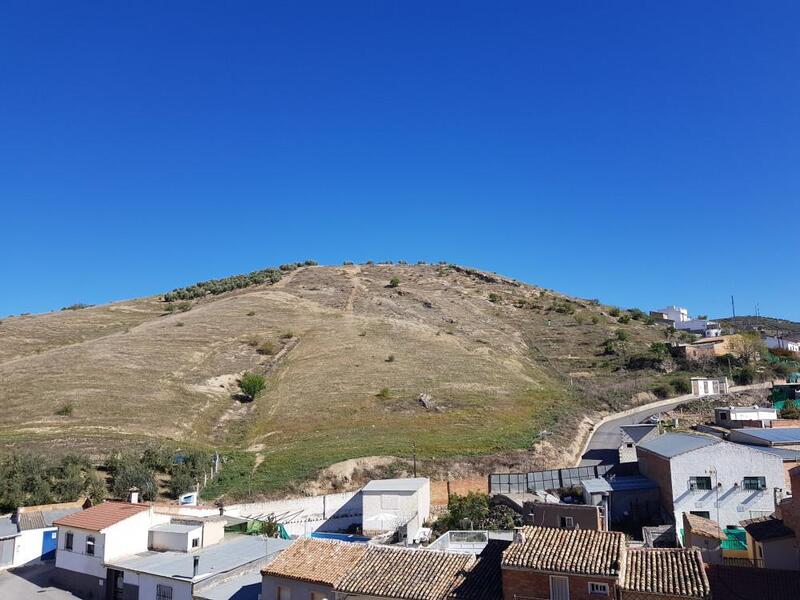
(396, 504)
(734, 417)
(680, 319)
(631, 435)
(789, 342)
(709, 386)
(717, 480)
(29, 536)
(90, 539)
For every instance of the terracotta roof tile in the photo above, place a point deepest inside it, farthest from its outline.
(677, 572)
(741, 583)
(406, 573)
(704, 527)
(583, 551)
(101, 516)
(319, 561)
(767, 528)
(484, 579)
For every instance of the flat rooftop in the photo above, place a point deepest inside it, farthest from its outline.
(395, 485)
(777, 435)
(175, 527)
(233, 552)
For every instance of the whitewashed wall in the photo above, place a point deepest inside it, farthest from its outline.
(28, 546)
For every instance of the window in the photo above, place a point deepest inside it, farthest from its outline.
(195, 542)
(90, 545)
(755, 483)
(163, 592)
(566, 523)
(68, 539)
(701, 513)
(699, 483)
(629, 445)
(598, 589)
(723, 416)
(283, 594)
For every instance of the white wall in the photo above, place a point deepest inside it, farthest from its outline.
(77, 559)
(131, 535)
(28, 546)
(299, 590)
(329, 512)
(727, 504)
(776, 342)
(181, 590)
(409, 507)
(178, 541)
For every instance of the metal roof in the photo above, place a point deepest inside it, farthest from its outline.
(785, 454)
(775, 435)
(175, 528)
(243, 587)
(8, 528)
(395, 485)
(233, 552)
(670, 445)
(42, 519)
(639, 432)
(631, 482)
(596, 485)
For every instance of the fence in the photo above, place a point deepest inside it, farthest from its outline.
(552, 479)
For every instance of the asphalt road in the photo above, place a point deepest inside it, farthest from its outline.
(604, 446)
(30, 583)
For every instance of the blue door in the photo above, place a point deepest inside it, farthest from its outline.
(49, 543)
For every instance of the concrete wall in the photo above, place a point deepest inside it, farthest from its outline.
(657, 468)
(543, 514)
(329, 512)
(181, 590)
(28, 547)
(409, 507)
(77, 559)
(180, 542)
(727, 502)
(131, 535)
(299, 590)
(521, 583)
(710, 548)
(81, 585)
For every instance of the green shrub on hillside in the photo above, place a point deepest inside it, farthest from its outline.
(614, 311)
(681, 385)
(78, 306)
(251, 384)
(494, 297)
(394, 282)
(624, 319)
(226, 284)
(663, 390)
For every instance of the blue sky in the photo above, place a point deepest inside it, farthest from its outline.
(644, 153)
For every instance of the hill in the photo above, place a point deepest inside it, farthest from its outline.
(346, 356)
(768, 325)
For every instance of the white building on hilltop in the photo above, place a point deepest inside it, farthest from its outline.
(679, 317)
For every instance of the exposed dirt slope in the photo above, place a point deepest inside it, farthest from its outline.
(499, 371)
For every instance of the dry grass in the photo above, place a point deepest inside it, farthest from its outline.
(498, 374)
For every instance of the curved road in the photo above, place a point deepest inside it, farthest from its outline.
(604, 444)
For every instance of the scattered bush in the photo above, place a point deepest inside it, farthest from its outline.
(266, 348)
(394, 282)
(310, 263)
(494, 297)
(745, 375)
(637, 314)
(663, 390)
(595, 319)
(287, 335)
(660, 349)
(390, 358)
(252, 313)
(65, 410)
(622, 335)
(78, 306)
(252, 384)
(614, 311)
(682, 385)
(347, 263)
(226, 284)
(179, 324)
(624, 319)
(790, 411)
(384, 394)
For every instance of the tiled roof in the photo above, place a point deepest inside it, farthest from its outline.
(704, 527)
(101, 516)
(484, 579)
(767, 528)
(669, 571)
(582, 551)
(733, 583)
(406, 573)
(319, 561)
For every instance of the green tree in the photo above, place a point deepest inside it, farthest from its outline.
(660, 349)
(252, 384)
(467, 512)
(394, 282)
(181, 480)
(790, 411)
(96, 489)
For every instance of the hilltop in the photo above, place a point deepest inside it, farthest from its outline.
(768, 325)
(346, 356)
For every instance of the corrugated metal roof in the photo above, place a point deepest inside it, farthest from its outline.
(631, 482)
(670, 445)
(233, 552)
(775, 435)
(596, 485)
(43, 518)
(395, 485)
(785, 454)
(175, 528)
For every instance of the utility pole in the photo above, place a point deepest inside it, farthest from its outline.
(414, 450)
(733, 307)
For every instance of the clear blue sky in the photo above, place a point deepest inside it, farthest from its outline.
(644, 153)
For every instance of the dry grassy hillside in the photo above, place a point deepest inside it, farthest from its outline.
(345, 356)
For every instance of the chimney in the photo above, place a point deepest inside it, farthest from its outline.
(519, 535)
(195, 564)
(133, 495)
